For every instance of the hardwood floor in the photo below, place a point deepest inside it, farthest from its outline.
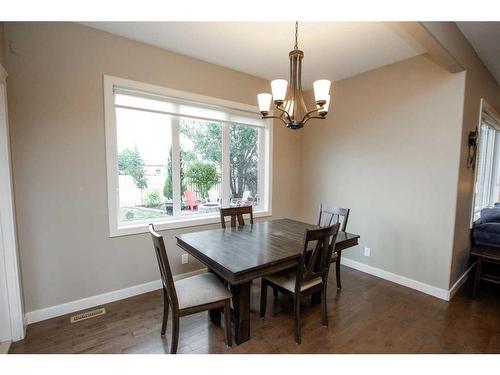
(369, 315)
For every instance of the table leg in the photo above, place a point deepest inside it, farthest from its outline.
(477, 278)
(215, 316)
(241, 305)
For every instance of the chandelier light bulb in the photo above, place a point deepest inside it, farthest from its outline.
(264, 100)
(323, 110)
(278, 87)
(321, 90)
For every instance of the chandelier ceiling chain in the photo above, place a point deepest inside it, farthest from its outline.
(289, 99)
(296, 35)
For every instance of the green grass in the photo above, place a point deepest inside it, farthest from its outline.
(139, 214)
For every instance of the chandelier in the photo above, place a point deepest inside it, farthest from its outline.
(289, 101)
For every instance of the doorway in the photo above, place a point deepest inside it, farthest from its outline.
(11, 309)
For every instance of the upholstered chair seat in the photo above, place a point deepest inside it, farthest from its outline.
(200, 290)
(287, 280)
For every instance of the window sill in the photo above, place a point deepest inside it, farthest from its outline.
(161, 224)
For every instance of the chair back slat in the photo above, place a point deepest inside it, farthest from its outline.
(316, 263)
(236, 214)
(165, 271)
(328, 215)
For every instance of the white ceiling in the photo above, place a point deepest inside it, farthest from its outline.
(333, 50)
(485, 38)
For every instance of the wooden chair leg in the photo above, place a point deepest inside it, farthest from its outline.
(227, 323)
(296, 308)
(165, 313)
(175, 334)
(263, 298)
(337, 271)
(324, 313)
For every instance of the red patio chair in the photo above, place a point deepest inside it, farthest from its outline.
(190, 199)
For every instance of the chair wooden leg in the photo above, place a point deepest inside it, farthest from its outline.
(175, 334)
(324, 313)
(165, 313)
(275, 293)
(227, 323)
(296, 308)
(263, 298)
(337, 271)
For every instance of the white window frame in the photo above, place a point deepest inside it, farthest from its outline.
(486, 110)
(12, 327)
(173, 222)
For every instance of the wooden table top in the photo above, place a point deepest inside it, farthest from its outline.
(251, 251)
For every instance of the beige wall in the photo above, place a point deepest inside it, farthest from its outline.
(389, 151)
(58, 150)
(3, 52)
(479, 84)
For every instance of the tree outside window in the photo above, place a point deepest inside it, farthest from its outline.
(130, 163)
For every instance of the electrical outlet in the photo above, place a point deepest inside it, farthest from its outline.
(185, 258)
(367, 251)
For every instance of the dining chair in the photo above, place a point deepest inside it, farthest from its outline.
(235, 213)
(310, 276)
(243, 201)
(190, 295)
(328, 215)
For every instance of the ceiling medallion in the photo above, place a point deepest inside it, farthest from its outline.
(290, 100)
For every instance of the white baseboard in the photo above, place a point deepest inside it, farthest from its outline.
(460, 282)
(101, 299)
(398, 279)
(4, 345)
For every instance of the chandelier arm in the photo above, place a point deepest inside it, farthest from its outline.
(284, 112)
(312, 111)
(278, 117)
(313, 117)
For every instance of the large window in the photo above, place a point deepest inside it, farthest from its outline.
(175, 158)
(487, 181)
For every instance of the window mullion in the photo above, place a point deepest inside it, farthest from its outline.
(176, 168)
(261, 170)
(225, 190)
(489, 167)
(491, 180)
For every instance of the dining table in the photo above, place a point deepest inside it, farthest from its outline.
(241, 254)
